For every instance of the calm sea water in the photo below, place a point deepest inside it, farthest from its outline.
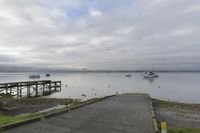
(181, 87)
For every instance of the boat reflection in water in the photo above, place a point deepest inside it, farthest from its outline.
(151, 80)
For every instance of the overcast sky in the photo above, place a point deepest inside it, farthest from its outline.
(100, 34)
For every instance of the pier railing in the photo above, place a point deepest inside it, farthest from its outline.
(30, 88)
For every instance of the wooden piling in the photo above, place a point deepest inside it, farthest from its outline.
(36, 89)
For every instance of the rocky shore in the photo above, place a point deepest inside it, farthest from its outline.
(12, 106)
(177, 115)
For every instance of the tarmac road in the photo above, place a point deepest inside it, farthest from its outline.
(118, 114)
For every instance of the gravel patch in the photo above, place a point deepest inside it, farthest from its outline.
(177, 118)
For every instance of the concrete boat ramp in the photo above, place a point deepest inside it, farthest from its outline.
(129, 113)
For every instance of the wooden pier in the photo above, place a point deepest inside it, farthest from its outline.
(30, 88)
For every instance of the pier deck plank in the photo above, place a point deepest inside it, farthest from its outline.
(119, 114)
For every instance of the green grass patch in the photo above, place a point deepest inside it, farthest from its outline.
(6, 95)
(13, 119)
(91, 100)
(183, 130)
(5, 119)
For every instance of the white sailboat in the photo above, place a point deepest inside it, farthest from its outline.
(128, 75)
(151, 74)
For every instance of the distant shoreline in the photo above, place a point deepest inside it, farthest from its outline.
(99, 71)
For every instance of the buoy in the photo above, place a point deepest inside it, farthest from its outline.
(84, 95)
(116, 92)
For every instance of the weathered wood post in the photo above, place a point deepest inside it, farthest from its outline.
(55, 85)
(17, 90)
(43, 88)
(60, 85)
(28, 90)
(36, 89)
(49, 87)
(20, 91)
(10, 90)
(6, 88)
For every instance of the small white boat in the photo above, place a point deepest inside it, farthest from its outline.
(48, 75)
(128, 75)
(34, 76)
(150, 75)
(84, 95)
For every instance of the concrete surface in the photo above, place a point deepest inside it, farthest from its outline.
(119, 114)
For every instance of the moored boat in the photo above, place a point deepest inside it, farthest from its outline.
(150, 75)
(34, 76)
(48, 75)
(128, 75)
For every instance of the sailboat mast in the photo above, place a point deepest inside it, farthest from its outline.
(154, 67)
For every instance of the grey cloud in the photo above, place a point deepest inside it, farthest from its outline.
(127, 35)
(7, 59)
